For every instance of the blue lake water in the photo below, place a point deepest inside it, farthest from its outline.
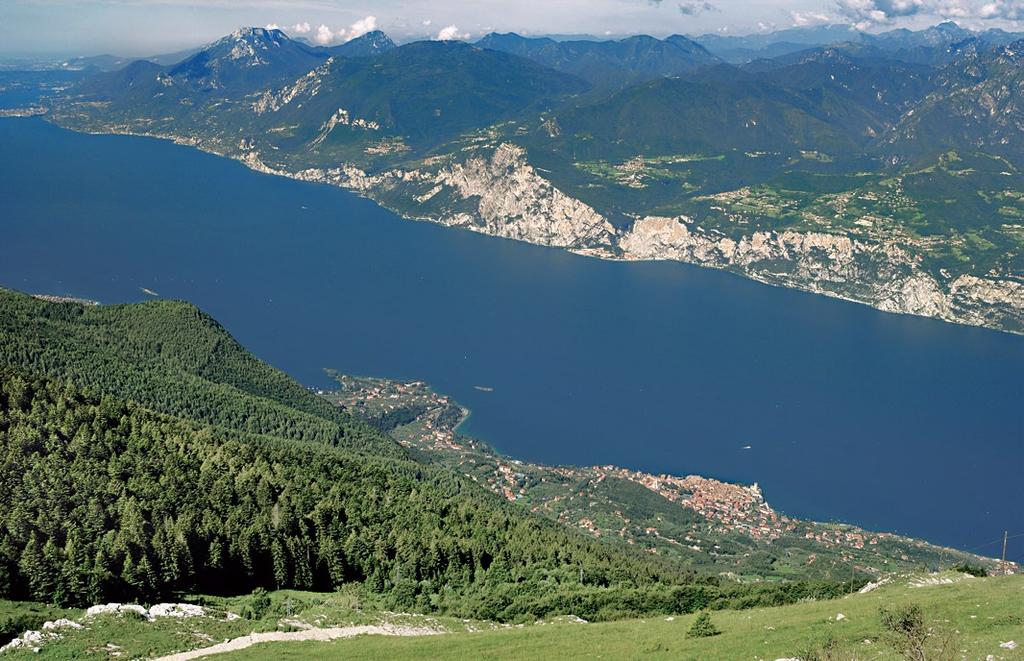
(890, 422)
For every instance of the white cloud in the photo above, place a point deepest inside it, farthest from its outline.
(868, 13)
(1011, 10)
(427, 22)
(301, 28)
(694, 7)
(451, 33)
(361, 27)
(803, 19)
(326, 36)
(273, 26)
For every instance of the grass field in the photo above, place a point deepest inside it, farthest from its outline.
(974, 616)
(977, 614)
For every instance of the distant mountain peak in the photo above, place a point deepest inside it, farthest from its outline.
(372, 43)
(378, 37)
(251, 32)
(248, 57)
(255, 36)
(246, 44)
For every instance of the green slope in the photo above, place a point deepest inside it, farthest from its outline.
(145, 453)
(172, 358)
(972, 617)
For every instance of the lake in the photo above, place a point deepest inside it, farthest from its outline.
(890, 422)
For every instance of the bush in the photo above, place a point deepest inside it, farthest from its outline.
(259, 604)
(973, 570)
(908, 634)
(828, 650)
(703, 627)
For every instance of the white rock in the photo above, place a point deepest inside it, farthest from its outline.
(176, 610)
(31, 639)
(1009, 645)
(873, 585)
(115, 609)
(515, 202)
(101, 609)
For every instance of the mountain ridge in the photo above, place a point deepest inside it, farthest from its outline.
(806, 171)
(608, 63)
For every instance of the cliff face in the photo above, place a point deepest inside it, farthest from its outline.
(988, 302)
(515, 202)
(887, 277)
(884, 276)
(496, 191)
(493, 189)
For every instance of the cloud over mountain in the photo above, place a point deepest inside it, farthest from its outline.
(326, 36)
(451, 33)
(867, 13)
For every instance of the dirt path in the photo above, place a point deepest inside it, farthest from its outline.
(291, 636)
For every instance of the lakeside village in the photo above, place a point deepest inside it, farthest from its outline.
(421, 419)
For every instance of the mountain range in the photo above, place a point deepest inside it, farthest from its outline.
(148, 455)
(883, 169)
(608, 63)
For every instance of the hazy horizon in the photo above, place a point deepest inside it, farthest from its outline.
(146, 27)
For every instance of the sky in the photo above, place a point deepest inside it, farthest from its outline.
(148, 27)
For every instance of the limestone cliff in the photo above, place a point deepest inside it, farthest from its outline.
(886, 276)
(493, 189)
(515, 202)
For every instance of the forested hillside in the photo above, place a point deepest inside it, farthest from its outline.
(172, 358)
(109, 499)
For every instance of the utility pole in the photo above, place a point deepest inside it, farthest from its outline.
(1006, 534)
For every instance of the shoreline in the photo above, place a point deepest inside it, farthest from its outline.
(467, 423)
(727, 505)
(251, 161)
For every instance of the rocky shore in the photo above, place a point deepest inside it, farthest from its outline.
(502, 195)
(493, 189)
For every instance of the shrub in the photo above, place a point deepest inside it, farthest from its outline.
(908, 634)
(702, 627)
(973, 570)
(259, 604)
(828, 650)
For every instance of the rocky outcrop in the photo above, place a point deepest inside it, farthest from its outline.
(886, 276)
(498, 192)
(515, 202)
(305, 87)
(494, 190)
(988, 302)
